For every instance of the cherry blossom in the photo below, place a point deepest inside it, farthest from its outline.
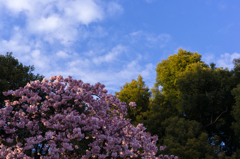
(52, 120)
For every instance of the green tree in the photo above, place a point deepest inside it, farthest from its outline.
(137, 92)
(181, 135)
(184, 139)
(205, 96)
(160, 109)
(236, 108)
(194, 94)
(169, 69)
(14, 75)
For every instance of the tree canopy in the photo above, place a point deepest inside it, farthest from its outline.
(56, 126)
(138, 92)
(195, 113)
(169, 69)
(197, 108)
(14, 75)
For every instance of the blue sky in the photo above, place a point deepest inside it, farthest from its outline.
(112, 42)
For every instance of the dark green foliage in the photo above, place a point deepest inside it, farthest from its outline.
(196, 110)
(137, 92)
(236, 111)
(14, 75)
(160, 109)
(205, 96)
(184, 139)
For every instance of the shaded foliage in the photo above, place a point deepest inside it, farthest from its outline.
(14, 75)
(205, 96)
(197, 108)
(138, 92)
(236, 111)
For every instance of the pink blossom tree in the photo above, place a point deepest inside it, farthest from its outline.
(52, 120)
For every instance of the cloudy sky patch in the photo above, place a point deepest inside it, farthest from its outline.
(112, 42)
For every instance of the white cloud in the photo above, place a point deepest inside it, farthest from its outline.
(13, 46)
(133, 69)
(111, 56)
(64, 21)
(84, 11)
(17, 43)
(50, 21)
(226, 60)
(62, 54)
(85, 69)
(39, 59)
(16, 6)
(149, 70)
(47, 24)
(82, 63)
(28, 52)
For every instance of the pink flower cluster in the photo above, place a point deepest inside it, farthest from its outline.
(133, 105)
(34, 119)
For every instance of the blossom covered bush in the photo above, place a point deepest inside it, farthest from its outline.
(60, 118)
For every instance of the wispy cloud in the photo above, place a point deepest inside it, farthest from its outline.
(114, 8)
(222, 5)
(150, 1)
(62, 54)
(64, 38)
(111, 56)
(150, 40)
(87, 70)
(226, 28)
(18, 43)
(159, 41)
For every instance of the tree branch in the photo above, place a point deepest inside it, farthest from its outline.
(216, 118)
(211, 117)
